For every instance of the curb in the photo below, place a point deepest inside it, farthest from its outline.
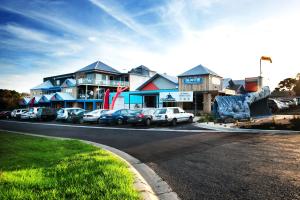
(240, 130)
(147, 182)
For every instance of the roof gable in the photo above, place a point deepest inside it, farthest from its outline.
(44, 85)
(171, 80)
(69, 83)
(98, 65)
(199, 70)
(61, 96)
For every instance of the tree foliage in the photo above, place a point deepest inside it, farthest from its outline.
(288, 86)
(9, 99)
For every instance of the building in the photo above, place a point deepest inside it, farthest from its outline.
(139, 75)
(205, 85)
(193, 90)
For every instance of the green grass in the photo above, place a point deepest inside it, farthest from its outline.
(40, 168)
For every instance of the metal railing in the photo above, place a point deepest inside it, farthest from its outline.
(112, 83)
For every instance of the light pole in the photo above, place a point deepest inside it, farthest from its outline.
(267, 58)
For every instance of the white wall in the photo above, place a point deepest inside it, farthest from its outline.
(136, 80)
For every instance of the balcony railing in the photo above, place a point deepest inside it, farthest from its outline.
(111, 83)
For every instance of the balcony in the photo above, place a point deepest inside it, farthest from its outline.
(110, 83)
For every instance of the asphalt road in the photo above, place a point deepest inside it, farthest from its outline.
(200, 164)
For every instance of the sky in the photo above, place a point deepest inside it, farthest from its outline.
(41, 38)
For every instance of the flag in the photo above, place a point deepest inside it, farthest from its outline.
(266, 58)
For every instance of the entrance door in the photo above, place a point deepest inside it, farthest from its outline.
(150, 101)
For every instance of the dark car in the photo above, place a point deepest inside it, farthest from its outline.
(143, 116)
(46, 114)
(115, 117)
(5, 114)
(77, 116)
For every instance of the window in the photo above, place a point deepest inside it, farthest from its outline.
(175, 110)
(123, 112)
(69, 90)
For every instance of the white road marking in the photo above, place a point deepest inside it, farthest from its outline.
(110, 128)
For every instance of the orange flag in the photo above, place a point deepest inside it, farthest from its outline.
(266, 58)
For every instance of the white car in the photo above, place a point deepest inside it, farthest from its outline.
(19, 112)
(32, 112)
(93, 116)
(65, 113)
(172, 115)
(25, 116)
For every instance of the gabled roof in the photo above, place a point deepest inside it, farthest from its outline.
(69, 83)
(35, 99)
(140, 70)
(61, 96)
(170, 78)
(98, 65)
(165, 76)
(24, 101)
(46, 98)
(198, 70)
(44, 85)
(226, 82)
(239, 82)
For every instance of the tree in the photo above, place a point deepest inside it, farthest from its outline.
(287, 84)
(297, 88)
(9, 99)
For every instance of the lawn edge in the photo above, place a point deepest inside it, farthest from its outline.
(146, 181)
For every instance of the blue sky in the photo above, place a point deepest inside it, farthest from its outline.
(40, 38)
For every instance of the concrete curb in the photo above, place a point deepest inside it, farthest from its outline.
(240, 130)
(147, 182)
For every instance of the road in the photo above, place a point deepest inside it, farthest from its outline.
(200, 164)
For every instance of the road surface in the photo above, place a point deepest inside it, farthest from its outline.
(200, 164)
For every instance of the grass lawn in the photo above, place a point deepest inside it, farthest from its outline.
(40, 168)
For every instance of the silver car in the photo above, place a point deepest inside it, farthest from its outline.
(94, 116)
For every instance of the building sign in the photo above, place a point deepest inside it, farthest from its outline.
(176, 96)
(193, 80)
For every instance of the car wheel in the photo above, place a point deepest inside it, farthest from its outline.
(190, 120)
(174, 122)
(148, 122)
(119, 122)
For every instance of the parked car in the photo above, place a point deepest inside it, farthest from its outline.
(77, 116)
(46, 114)
(143, 116)
(115, 117)
(94, 116)
(25, 115)
(5, 114)
(64, 114)
(172, 115)
(18, 113)
(13, 113)
(32, 112)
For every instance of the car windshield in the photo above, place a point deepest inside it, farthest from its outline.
(111, 112)
(160, 111)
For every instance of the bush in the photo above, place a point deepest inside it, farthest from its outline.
(206, 118)
(295, 122)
